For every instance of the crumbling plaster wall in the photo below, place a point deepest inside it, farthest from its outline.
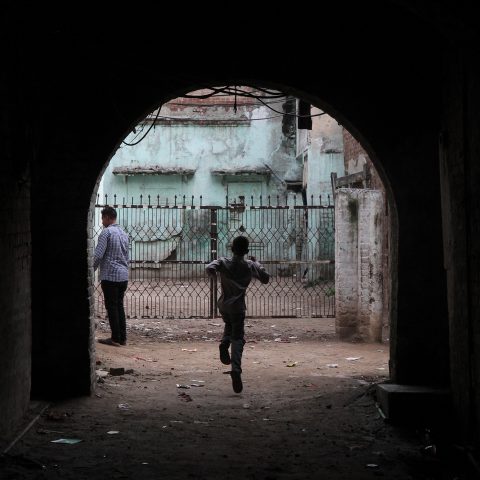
(355, 159)
(358, 264)
(206, 138)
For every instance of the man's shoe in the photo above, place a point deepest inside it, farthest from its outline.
(123, 343)
(236, 381)
(224, 354)
(108, 341)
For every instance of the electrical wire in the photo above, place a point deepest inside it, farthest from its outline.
(224, 92)
(228, 91)
(292, 114)
(210, 105)
(146, 133)
(188, 119)
(239, 92)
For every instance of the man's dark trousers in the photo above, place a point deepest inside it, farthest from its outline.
(113, 293)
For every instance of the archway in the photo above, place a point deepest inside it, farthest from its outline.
(358, 105)
(73, 154)
(291, 228)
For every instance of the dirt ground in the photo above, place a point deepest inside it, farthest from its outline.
(307, 411)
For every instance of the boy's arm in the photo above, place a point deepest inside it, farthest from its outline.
(258, 271)
(213, 267)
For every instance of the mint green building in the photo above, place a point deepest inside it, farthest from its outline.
(201, 153)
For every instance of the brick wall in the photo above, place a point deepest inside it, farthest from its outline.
(355, 157)
(15, 255)
(84, 105)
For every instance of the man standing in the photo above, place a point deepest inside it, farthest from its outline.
(235, 275)
(111, 254)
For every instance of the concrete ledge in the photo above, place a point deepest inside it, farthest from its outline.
(414, 404)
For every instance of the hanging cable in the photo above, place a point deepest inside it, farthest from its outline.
(226, 91)
(146, 133)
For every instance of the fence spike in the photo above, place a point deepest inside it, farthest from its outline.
(251, 198)
(149, 199)
(269, 201)
(106, 199)
(184, 197)
(192, 200)
(261, 201)
(201, 200)
(115, 199)
(158, 200)
(278, 200)
(311, 200)
(175, 200)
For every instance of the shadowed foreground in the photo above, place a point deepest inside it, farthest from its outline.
(298, 417)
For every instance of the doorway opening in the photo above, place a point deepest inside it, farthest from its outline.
(228, 161)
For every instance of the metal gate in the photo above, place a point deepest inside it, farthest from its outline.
(170, 245)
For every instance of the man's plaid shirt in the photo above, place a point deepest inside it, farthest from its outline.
(111, 254)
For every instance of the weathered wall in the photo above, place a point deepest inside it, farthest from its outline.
(207, 137)
(15, 254)
(355, 158)
(460, 177)
(359, 264)
(321, 149)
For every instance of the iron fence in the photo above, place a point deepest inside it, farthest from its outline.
(170, 245)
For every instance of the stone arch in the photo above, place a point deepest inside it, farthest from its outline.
(371, 109)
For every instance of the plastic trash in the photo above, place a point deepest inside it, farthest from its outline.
(69, 441)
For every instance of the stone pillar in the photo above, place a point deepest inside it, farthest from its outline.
(359, 264)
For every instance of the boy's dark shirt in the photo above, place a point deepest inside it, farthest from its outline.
(236, 274)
